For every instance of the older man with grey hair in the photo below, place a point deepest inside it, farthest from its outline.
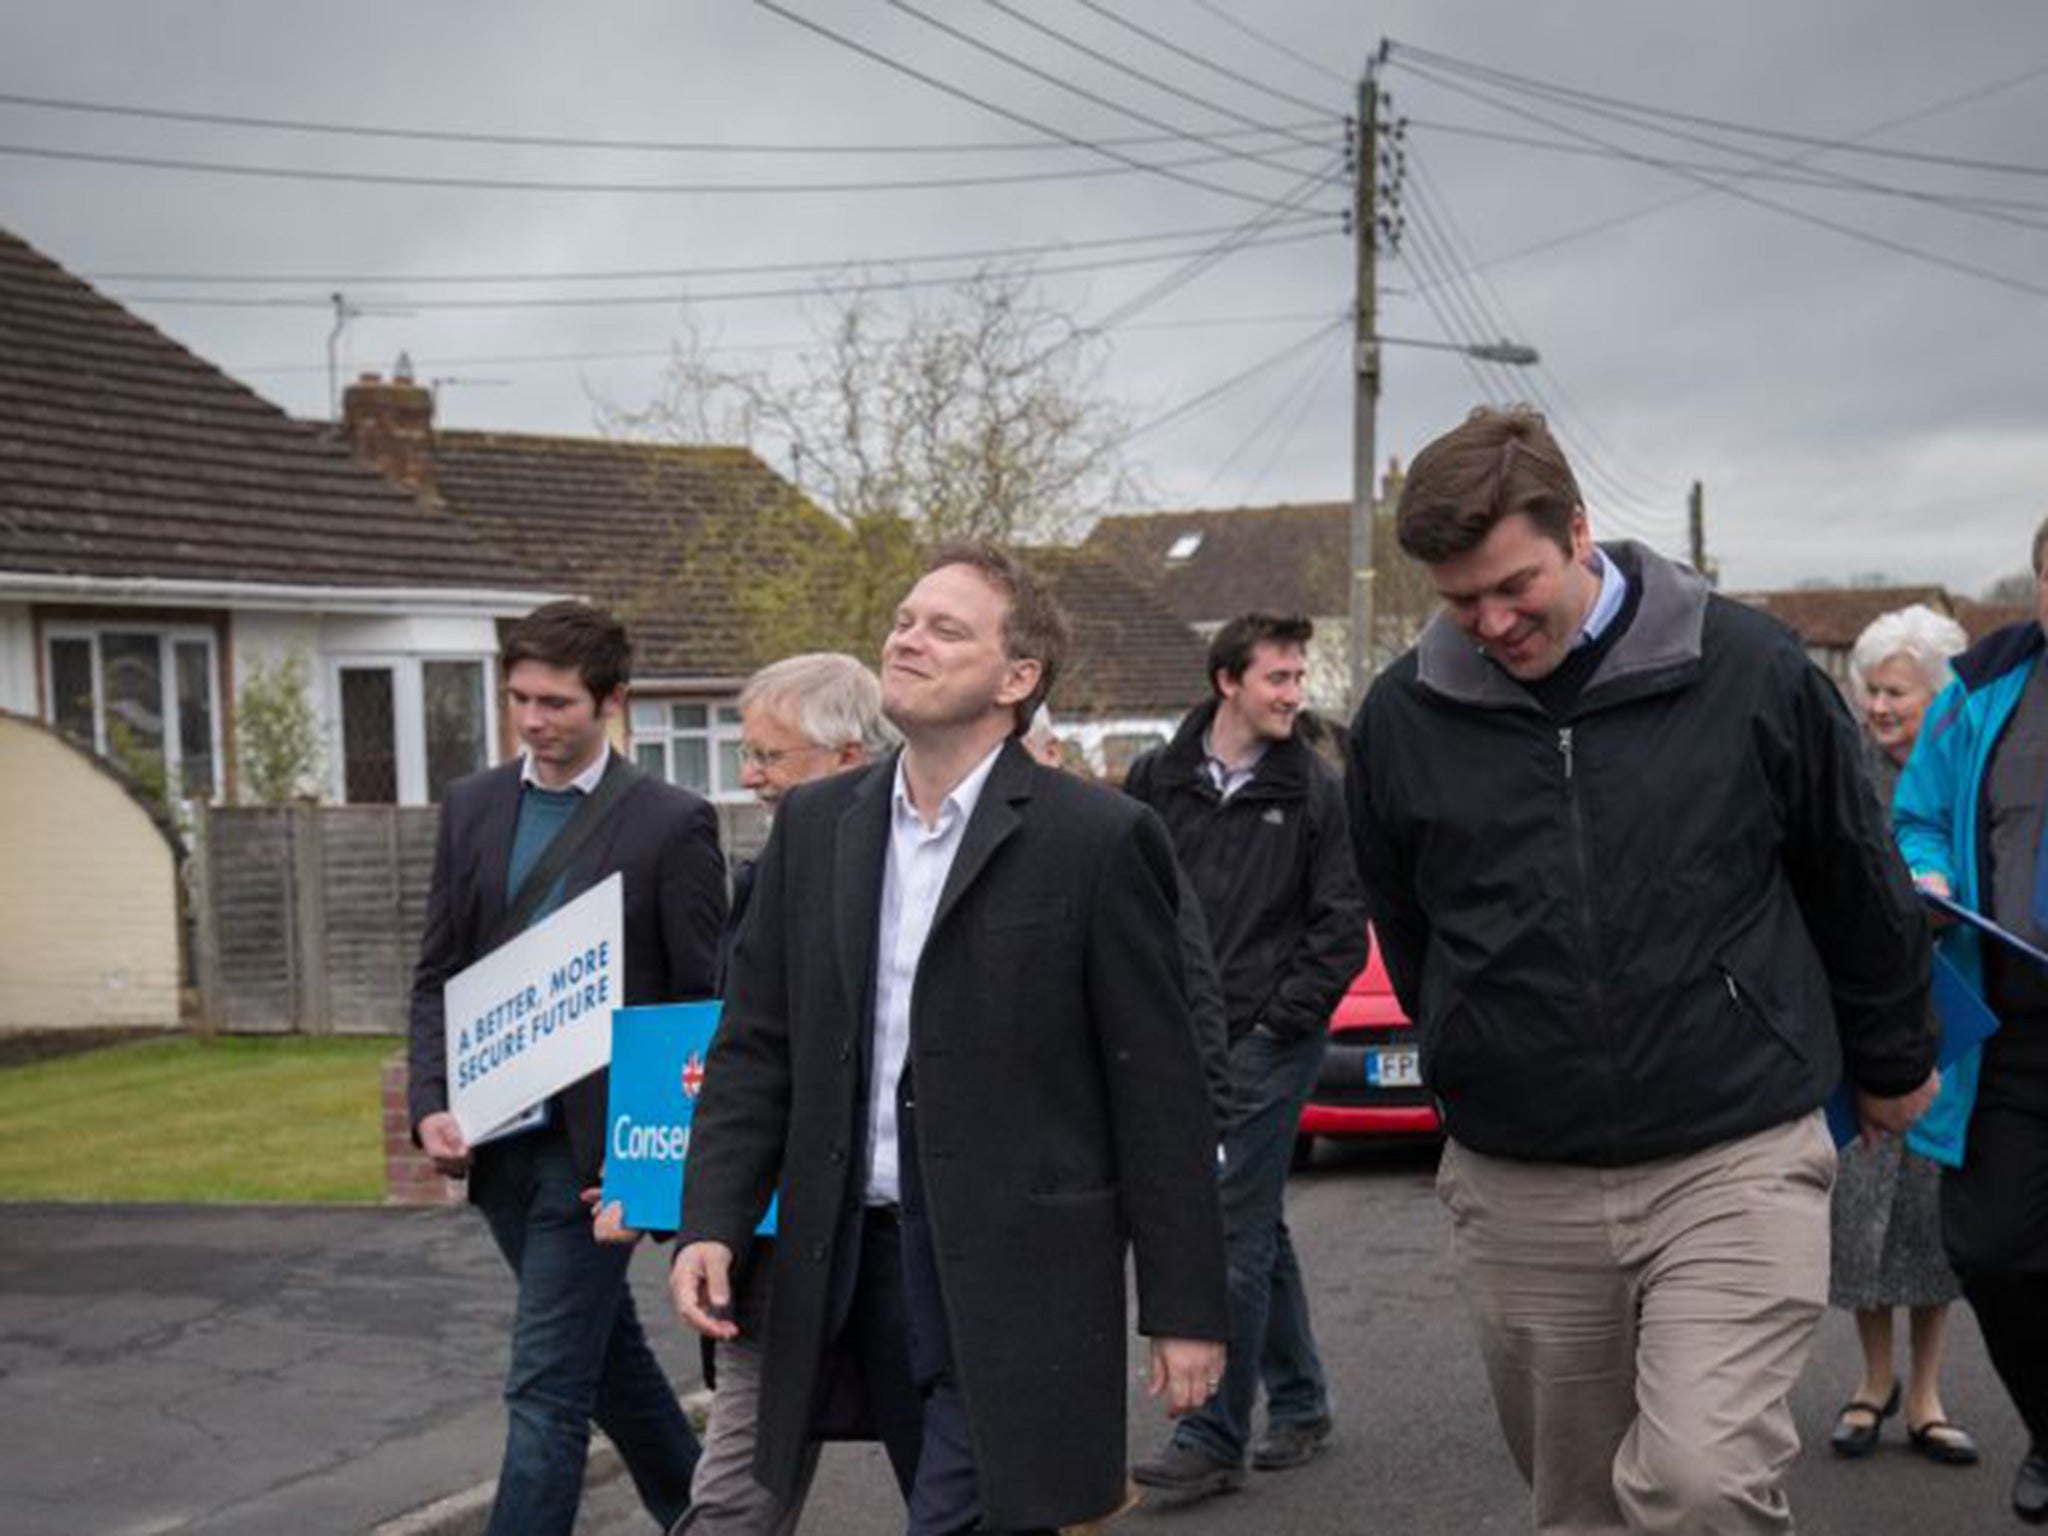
(801, 718)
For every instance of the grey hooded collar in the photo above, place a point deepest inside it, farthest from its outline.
(1665, 634)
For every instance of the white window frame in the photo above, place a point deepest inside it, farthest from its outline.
(662, 735)
(168, 638)
(408, 715)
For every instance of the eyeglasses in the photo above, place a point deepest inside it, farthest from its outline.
(768, 757)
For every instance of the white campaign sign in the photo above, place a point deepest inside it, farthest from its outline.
(535, 1014)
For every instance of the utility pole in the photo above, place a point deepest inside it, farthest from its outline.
(1365, 381)
(1696, 522)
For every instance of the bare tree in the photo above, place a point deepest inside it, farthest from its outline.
(976, 414)
(2016, 589)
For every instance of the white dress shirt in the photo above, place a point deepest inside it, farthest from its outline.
(1227, 777)
(913, 878)
(1606, 602)
(584, 782)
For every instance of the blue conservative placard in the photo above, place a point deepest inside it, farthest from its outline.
(657, 1071)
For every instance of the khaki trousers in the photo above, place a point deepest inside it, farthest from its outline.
(1643, 1326)
(725, 1500)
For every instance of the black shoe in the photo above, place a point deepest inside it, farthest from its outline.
(1290, 1444)
(1939, 1440)
(1188, 1473)
(2030, 1488)
(1858, 1437)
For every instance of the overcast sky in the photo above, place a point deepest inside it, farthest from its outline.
(1851, 407)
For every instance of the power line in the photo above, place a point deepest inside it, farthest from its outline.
(1294, 395)
(1437, 210)
(1202, 60)
(1122, 67)
(1059, 82)
(1624, 509)
(656, 146)
(1238, 379)
(1601, 226)
(1402, 51)
(1763, 167)
(1727, 185)
(427, 361)
(1322, 377)
(1273, 43)
(1168, 168)
(960, 94)
(1247, 234)
(630, 301)
(1774, 171)
(758, 269)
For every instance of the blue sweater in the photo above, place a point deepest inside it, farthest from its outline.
(542, 815)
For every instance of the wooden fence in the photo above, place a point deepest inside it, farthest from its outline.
(308, 917)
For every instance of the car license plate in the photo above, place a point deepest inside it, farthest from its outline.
(1393, 1069)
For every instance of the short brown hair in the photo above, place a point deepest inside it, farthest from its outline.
(1231, 651)
(572, 634)
(2040, 544)
(1034, 629)
(1493, 464)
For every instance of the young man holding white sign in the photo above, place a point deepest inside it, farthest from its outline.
(517, 842)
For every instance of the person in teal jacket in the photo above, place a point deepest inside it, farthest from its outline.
(1969, 816)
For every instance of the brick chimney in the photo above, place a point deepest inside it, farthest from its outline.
(391, 426)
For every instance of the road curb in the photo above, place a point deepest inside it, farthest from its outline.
(468, 1512)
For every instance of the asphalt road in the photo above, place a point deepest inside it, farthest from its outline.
(1417, 1452)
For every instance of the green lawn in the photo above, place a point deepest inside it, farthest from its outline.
(223, 1120)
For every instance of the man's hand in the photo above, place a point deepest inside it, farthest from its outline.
(442, 1139)
(1187, 1371)
(608, 1222)
(1894, 1116)
(700, 1284)
(1935, 885)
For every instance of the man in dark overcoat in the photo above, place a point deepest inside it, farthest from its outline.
(957, 1040)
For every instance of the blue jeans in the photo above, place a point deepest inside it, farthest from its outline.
(577, 1350)
(1270, 1340)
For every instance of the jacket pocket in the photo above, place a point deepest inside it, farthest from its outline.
(1747, 1007)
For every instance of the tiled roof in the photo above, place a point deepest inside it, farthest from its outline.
(1132, 655)
(667, 535)
(1285, 559)
(122, 454)
(1832, 618)
(1980, 619)
(670, 536)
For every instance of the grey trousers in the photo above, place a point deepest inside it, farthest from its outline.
(1642, 1326)
(725, 1500)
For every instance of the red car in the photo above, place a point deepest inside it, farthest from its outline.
(1371, 1082)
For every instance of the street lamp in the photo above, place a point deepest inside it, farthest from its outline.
(1364, 487)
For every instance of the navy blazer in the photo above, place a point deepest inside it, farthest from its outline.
(661, 838)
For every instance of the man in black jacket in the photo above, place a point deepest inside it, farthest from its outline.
(1258, 824)
(1632, 888)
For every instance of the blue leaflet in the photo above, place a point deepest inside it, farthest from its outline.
(1966, 1023)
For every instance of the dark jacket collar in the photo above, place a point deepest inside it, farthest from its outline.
(1999, 652)
(1284, 768)
(1665, 639)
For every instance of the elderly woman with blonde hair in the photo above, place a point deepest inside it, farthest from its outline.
(1887, 1215)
